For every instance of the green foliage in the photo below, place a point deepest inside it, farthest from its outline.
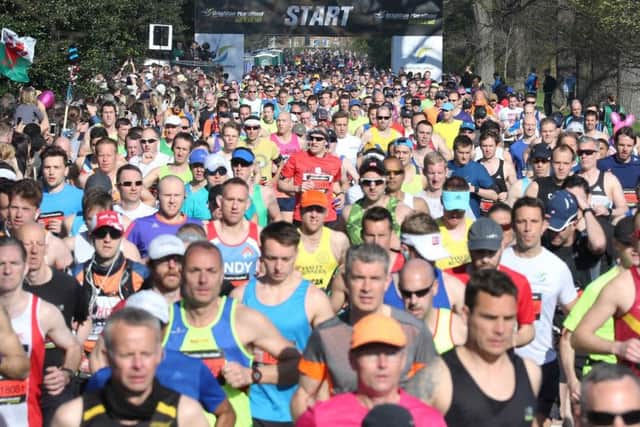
(377, 48)
(106, 33)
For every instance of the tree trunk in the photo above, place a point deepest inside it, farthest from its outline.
(485, 62)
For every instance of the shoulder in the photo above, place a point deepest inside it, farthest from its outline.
(534, 373)
(69, 414)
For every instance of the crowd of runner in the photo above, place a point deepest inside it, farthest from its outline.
(322, 243)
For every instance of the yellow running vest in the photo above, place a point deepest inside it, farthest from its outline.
(318, 266)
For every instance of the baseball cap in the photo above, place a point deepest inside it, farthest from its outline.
(388, 414)
(455, 200)
(322, 115)
(151, 302)
(252, 121)
(354, 102)
(480, 112)
(468, 125)
(372, 164)
(172, 121)
(377, 328)
(215, 161)
(429, 246)
(106, 219)
(318, 131)
(243, 153)
(98, 180)
(199, 155)
(486, 234)
(623, 231)
(493, 97)
(576, 127)
(165, 245)
(560, 210)
(406, 112)
(299, 129)
(161, 89)
(541, 151)
(314, 198)
(447, 106)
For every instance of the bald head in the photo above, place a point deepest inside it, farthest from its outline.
(63, 143)
(418, 285)
(170, 183)
(33, 238)
(30, 230)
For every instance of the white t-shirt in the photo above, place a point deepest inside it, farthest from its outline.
(349, 147)
(161, 159)
(551, 284)
(139, 212)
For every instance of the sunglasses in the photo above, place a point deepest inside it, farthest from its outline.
(101, 233)
(586, 152)
(393, 173)
(221, 171)
(297, 93)
(598, 418)
(371, 181)
(314, 208)
(148, 141)
(184, 127)
(233, 99)
(130, 183)
(530, 102)
(420, 293)
(538, 160)
(383, 117)
(240, 162)
(252, 127)
(316, 138)
(253, 91)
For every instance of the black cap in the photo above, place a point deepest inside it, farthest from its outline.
(480, 113)
(540, 151)
(623, 230)
(372, 164)
(388, 414)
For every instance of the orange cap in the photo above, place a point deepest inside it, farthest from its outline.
(377, 328)
(314, 198)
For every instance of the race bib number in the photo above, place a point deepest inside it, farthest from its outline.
(12, 392)
(214, 359)
(537, 304)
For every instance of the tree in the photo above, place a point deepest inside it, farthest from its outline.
(106, 33)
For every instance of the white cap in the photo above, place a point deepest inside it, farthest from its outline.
(215, 161)
(165, 245)
(428, 246)
(151, 302)
(173, 120)
(161, 89)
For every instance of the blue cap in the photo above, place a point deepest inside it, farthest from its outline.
(199, 155)
(354, 102)
(560, 210)
(447, 106)
(468, 125)
(243, 153)
(455, 200)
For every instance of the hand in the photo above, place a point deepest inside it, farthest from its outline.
(502, 196)
(92, 109)
(54, 225)
(55, 380)
(629, 350)
(338, 201)
(306, 185)
(574, 389)
(236, 375)
(601, 210)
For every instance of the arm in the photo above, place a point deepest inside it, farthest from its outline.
(272, 204)
(130, 251)
(60, 254)
(14, 362)
(616, 194)
(339, 293)
(615, 299)
(225, 415)
(56, 378)
(98, 358)
(441, 147)
(317, 306)
(419, 205)
(532, 190)
(433, 385)
(567, 358)
(525, 334)
(69, 414)
(597, 240)
(514, 193)
(151, 177)
(307, 394)
(190, 413)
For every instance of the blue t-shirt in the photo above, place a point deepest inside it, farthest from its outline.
(196, 205)
(517, 150)
(143, 230)
(183, 374)
(476, 175)
(627, 173)
(68, 201)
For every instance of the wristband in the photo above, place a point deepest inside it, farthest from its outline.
(584, 211)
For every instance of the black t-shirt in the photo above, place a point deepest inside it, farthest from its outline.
(64, 292)
(584, 264)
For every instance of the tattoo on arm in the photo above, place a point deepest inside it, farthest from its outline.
(423, 382)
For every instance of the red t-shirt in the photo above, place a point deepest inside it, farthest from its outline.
(526, 310)
(322, 171)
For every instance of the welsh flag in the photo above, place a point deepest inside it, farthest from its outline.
(16, 55)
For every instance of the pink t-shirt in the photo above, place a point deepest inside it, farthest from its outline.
(345, 410)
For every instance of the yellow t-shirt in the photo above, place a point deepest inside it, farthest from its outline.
(380, 141)
(354, 125)
(458, 250)
(266, 151)
(448, 131)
